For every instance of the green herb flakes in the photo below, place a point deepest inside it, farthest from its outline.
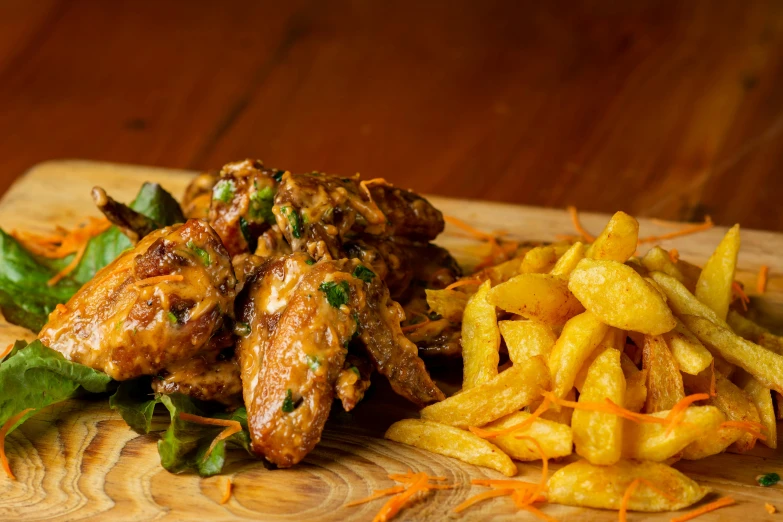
(224, 190)
(261, 203)
(337, 294)
(767, 480)
(288, 402)
(363, 273)
(200, 252)
(294, 220)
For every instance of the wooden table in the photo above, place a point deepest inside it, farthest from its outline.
(668, 109)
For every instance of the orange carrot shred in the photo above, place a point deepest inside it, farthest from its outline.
(674, 255)
(761, 281)
(70, 267)
(626, 498)
(463, 282)
(6, 351)
(754, 428)
(63, 242)
(10, 423)
(770, 508)
(158, 279)
(416, 483)
(605, 407)
(544, 466)
(712, 506)
(677, 412)
(484, 495)
(378, 493)
(478, 234)
(684, 231)
(226, 491)
(713, 391)
(416, 326)
(743, 297)
(231, 426)
(490, 434)
(574, 213)
(535, 511)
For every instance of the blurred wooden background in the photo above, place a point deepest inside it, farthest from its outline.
(661, 108)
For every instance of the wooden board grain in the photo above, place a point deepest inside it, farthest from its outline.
(77, 460)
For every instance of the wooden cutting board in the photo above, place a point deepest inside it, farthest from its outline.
(78, 460)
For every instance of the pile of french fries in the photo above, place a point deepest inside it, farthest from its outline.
(630, 362)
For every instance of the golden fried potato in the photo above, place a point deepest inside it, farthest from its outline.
(735, 404)
(664, 381)
(603, 487)
(450, 304)
(682, 301)
(568, 261)
(691, 356)
(635, 384)
(555, 438)
(771, 342)
(541, 297)
(744, 327)
(620, 297)
(501, 272)
(579, 338)
(646, 441)
(510, 391)
(658, 260)
(618, 240)
(598, 436)
(766, 366)
(538, 260)
(480, 340)
(451, 442)
(714, 285)
(562, 415)
(723, 366)
(525, 339)
(762, 398)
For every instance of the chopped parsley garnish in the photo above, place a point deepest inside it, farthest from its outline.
(310, 261)
(261, 203)
(294, 220)
(355, 370)
(358, 326)
(244, 227)
(224, 190)
(278, 176)
(200, 252)
(242, 329)
(313, 362)
(770, 479)
(363, 273)
(172, 317)
(119, 325)
(337, 294)
(288, 402)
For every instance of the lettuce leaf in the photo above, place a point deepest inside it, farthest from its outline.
(25, 298)
(34, 376)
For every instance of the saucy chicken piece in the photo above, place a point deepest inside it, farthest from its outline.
(241, 206)
(206, 377)
(353, 381)
(157, 303)
(198, 196)
(131, 223)
(317, 213)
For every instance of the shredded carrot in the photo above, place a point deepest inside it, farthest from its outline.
(713, 391)
(484, 495)
(378, 493)
(754, 428)
(544, 467)
(416, 326)
(770, 508)
(10, 423)
(677, 412)
(226, 491)
(712, 506)
(535, 511)
(761, 281)
(626, 498)
(743, 297)
(587, 236)
(416, 483)
(463, 282)
(6, 351)
(70, 267)
(63, 242)
(232, 427)
(478, 234)
(684, 231)
(490, 434)
(158, 279)
(605, 407)
(674, 255)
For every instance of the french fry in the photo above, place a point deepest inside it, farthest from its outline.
(603, 487)
(555, 439)
(744, 327)
(618, 240)
(598, 436)
(635, 384)
(714, 285)
(525, 339)
(723, 366)
(690, 272)
(480, 340)
(538, 260)
(664, 381)
(735, 404)
(762, 398)
(620, 297)
(771, 342)
(648, 441)
(448, 303)
(610, 340)
(562, 415)
(502, 272)
(510, 391)
(766, 366)
(682, 301)
(658, 260)
(691, 356)
(451, 442)
(579, 338)
(568, 261)
(541, 297)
